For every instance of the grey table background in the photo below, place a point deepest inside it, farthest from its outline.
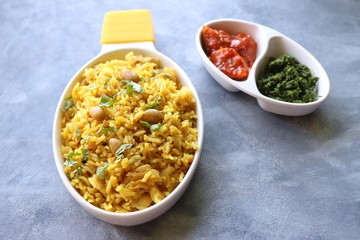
(261, 176)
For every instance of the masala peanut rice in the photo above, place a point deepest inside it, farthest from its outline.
(128, 133)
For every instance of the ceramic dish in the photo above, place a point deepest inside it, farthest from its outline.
(270, 43)
(112, 50)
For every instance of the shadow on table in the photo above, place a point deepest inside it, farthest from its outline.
(320, 125)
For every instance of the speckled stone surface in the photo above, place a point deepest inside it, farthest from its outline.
(261, 176)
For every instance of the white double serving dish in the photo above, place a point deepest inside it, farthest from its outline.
(270, 43)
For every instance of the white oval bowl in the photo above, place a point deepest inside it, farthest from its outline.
(154, 211)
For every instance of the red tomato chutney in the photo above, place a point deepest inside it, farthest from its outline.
(234, 55)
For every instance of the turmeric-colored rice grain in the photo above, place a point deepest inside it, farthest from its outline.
(147, 159)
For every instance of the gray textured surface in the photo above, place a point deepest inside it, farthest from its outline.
(261, 176)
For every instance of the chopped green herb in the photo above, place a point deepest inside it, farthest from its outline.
(154, 105)
(100, 172)
(286, 79)
(145, 124)
(78, 171)
(129, 89)
(106, 101)
(77, 133)
(69, 162)
(72, 154)
(106, 130)
(152, 127)
(109, 129)
(87, 138)
(85, 155)
(120, 152)
(155, 127)
(68, 104)
(107, 81)
(133, 87)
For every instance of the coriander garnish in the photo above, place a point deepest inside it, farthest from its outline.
(106, 101)
(100, 172)
(69, 162)
(133, 87)
(152, 127)
(155, 104)
(68, 103)
(120, 152)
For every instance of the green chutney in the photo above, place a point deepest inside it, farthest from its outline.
(286, 79)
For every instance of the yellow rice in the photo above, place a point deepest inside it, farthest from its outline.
(157, 160)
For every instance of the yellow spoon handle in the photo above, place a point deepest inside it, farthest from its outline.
(127, 26)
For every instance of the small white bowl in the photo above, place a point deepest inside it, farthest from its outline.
(118, 51)
(270, 43)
